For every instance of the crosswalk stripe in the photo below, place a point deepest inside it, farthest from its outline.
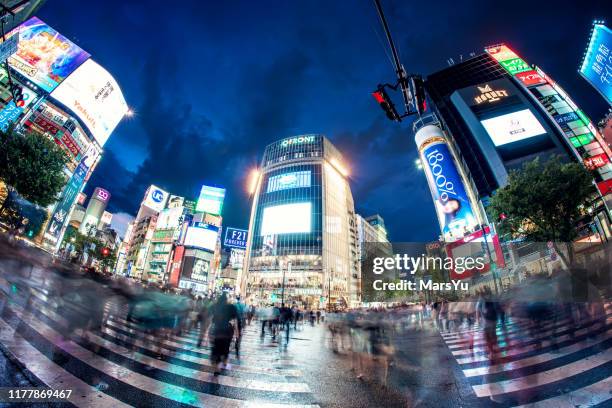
(588, 396)
(259, 369)
(51, 374)
(509, 352)
(187, 372)
(546, 377)
(538, 359)
(125, 375)
(525, 341)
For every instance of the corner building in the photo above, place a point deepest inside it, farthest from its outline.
(300, 246)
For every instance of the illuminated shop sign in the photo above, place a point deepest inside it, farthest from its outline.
(596, 161)
(298, 140)
(487, 94)
(235, 238)
(529, 78)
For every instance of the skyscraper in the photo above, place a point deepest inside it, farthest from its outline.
(301, 248)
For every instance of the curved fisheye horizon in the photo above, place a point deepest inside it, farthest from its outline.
(313, 204)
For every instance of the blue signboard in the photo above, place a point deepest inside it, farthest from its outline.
(451, 200)
(235, 238)
(60, 215)
(596, 67)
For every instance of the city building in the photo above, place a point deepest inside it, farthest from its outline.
(372, 239)
(69, 99)
(491, 114)
(300, 247)
(94, 212)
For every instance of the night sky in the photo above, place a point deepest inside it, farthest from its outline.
(213, 82)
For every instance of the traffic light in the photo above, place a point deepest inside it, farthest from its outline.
(386, 104)
(418, 90)
(105, 251)
(17, 92)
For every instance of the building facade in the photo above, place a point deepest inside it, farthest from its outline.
(67, 98)
(300, 247)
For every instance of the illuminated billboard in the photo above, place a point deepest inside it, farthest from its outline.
(235, 238)
(94, 95)
(287, 219)
(43, 55)
(596, 66)
(286, 181)
(155, 198)
(202, 236)
(453, 207)
(512, 127)
(211, 200)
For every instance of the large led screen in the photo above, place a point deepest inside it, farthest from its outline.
(286, 219)
(201, 237)
(286, 181)
(94, 95)
(211, 200)
(596, 67)
(43, 55)
(512, 127)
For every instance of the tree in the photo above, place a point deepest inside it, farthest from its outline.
(31, 165)
(544, 202)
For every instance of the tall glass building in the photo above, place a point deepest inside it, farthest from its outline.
(302, 247)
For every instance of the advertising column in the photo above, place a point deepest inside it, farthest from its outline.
(455, 213)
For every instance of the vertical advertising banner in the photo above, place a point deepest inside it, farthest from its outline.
(62, 209)
(596, 67)
(451, 200)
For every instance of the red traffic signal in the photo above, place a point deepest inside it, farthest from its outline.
(105, 251)
(17, 93)
(386, 104)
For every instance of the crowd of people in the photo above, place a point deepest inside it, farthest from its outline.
(367, 336)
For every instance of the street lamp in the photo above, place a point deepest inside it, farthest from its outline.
(418, 164)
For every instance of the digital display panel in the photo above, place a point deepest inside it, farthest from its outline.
(286, 181)
(94, 95)
(596, 67)
(512, 127)
(211, 200)
(203, 236)
(287, 219)
(43, 55)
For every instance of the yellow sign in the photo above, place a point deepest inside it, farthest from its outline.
(489, 95)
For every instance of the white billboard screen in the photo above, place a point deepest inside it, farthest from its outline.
(512, 127)
(287, 219)
(94, 95)
(203, 238)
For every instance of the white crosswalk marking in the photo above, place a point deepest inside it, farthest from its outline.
(556, 364)
(123, 356)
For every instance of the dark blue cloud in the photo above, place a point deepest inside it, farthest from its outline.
(213, 83)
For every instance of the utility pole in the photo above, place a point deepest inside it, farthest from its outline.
(399, 68)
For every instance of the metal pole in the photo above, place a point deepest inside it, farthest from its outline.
(283, 289)
(399, 69)
(493, 271)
